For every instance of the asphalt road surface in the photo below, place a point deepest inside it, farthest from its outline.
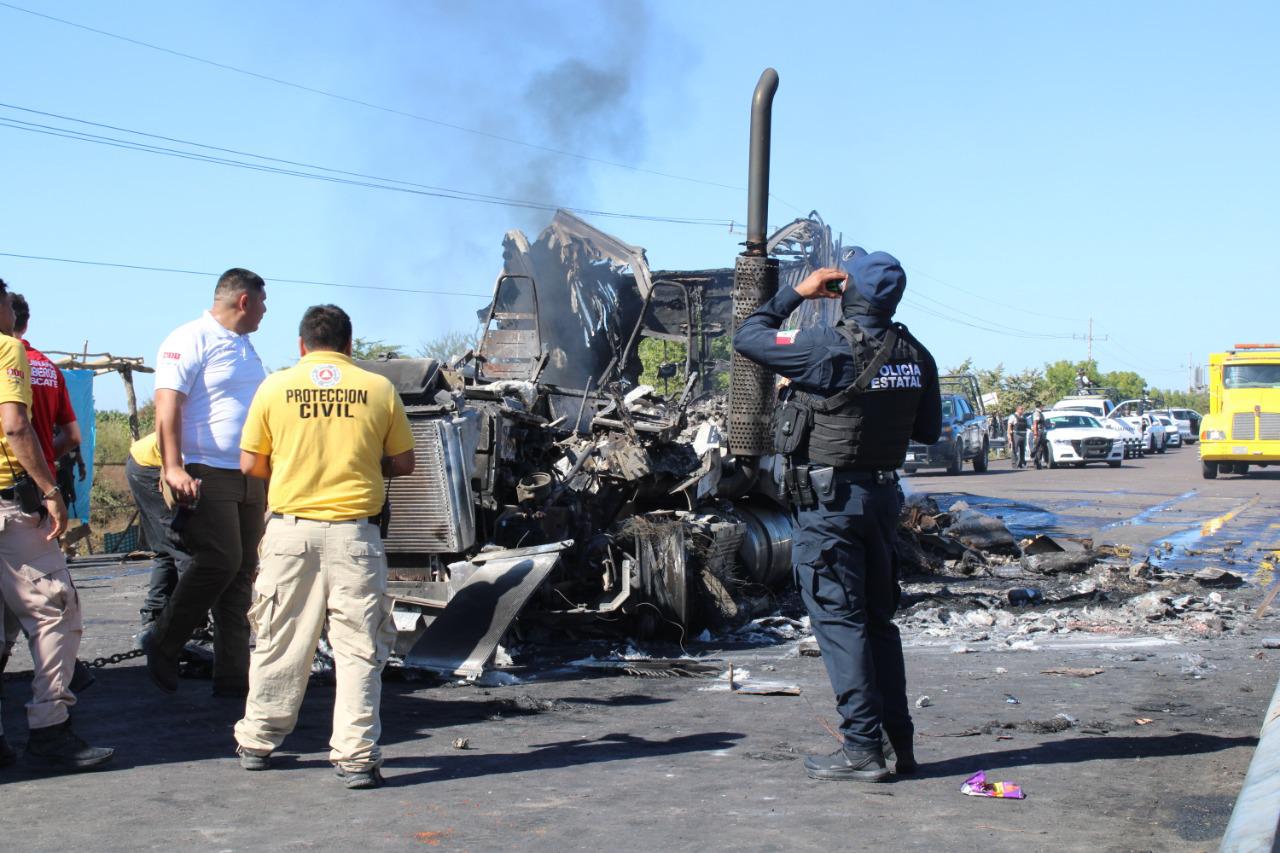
(564, 761)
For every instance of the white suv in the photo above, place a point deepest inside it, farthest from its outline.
(1137, 413)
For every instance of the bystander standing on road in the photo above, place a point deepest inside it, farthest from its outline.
(58, 432)
(52, 416)
(142, 470)
(1040, 435)
(859, 392)
(326, 433)
(207, 372)
(1017, 436)
(34, 582)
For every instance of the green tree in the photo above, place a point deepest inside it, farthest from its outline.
(1198, 400)
(366, 349)
(655, 352)
(1127, 384)
(450, 346)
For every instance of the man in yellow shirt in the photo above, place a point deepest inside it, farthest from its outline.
(34, 582)
(325, 433)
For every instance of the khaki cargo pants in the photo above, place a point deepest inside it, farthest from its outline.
(310, 572)
(36, 587)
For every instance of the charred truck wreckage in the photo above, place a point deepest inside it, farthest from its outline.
(551, 484)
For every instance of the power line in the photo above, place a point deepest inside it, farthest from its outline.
(1006, 331)
(368, 104)
(333, 175)
(1012, 304)
(270, 279)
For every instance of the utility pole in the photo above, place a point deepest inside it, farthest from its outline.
(1089, 337)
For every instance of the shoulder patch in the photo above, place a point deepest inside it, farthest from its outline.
(786, 338)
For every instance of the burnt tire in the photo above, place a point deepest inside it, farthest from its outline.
(1209, 470)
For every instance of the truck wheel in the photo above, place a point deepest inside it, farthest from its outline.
(1242, 468)
(957, 462)
(1114, 463)
(980, 461)
(1210, 470)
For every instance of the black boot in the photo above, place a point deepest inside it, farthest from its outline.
(58, 748)
(162, 669)
(846, 764)
(902, 755)
(7, 755)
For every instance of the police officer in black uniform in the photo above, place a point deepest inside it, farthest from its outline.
(858, 392)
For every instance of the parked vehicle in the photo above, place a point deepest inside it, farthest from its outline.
(1134, 446)
(1076, 438)
(1173, 435)
(1131, 440)
(1243, 424)
(966, 430)
(1187, 421)
(1096, 403)
(1135, 413)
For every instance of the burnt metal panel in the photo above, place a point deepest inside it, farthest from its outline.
(463, 638)
(431, 509)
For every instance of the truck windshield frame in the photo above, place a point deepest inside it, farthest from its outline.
(1235, 376)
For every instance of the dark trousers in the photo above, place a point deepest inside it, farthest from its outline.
(156, 518)
(1019, 449)
(843, 555)
(1041, 453)
(222, 536)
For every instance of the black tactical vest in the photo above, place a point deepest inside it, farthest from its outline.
(867, 426)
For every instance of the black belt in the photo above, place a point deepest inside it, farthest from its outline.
(880, 478)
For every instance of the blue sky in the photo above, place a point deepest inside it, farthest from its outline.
(1032, 164)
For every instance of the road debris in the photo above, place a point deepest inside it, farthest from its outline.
(1074, 671)
(924, 702)
(978, 786)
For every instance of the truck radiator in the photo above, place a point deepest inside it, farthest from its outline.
(431, 509)
(1242, 426)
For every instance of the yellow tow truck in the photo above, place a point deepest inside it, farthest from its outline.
(1243, 424)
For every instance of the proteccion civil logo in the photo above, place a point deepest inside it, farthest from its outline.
(326, 375)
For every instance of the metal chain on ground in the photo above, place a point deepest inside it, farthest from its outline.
(98, 663)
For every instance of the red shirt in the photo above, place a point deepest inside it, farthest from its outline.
(50, 402)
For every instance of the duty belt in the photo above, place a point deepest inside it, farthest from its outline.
(809, 485)
(880, 478)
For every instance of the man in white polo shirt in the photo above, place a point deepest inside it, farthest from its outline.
(206, 375)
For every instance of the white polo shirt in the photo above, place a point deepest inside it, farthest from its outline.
(219, 371)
